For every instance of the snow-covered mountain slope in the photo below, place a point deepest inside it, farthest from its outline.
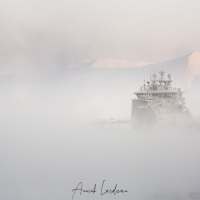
(106, 63)
(184, 69)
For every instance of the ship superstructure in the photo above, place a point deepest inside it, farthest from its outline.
(158, 101)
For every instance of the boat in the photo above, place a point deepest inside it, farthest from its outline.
(158, 102)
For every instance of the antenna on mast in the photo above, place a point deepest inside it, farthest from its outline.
(162, 73)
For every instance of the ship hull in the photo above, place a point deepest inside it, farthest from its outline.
(143, 115)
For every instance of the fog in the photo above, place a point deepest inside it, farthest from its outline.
(45, 34)
(58, 125)
(50, 143)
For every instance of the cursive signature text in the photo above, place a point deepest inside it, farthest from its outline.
(79, 189)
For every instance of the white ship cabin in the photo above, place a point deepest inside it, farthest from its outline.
(159, 88)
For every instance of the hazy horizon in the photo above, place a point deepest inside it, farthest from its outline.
(45, 34)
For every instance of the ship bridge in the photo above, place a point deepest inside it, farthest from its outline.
(159, 88)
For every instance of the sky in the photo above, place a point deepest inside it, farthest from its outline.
(38, 34)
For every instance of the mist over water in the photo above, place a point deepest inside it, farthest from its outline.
(49, 142)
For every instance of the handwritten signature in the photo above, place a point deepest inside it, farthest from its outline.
(80, 189)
